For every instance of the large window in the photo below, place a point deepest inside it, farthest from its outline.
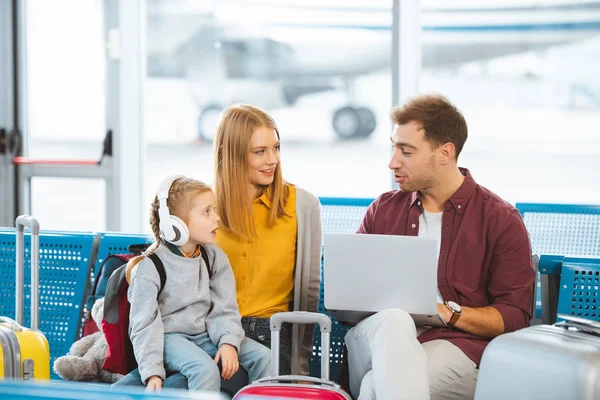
(65, 107)
(321, 69)
(525, 74)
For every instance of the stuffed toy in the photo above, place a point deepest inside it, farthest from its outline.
(86, 356)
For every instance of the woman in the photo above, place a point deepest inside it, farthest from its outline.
(271, 232)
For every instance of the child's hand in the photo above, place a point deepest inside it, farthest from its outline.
(229, 360)
(154, 383)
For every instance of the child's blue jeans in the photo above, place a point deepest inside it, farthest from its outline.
(193, 357)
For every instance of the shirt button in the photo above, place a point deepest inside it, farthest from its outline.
(418, 203)
(414, 225)
(459, 206)
(244, 254)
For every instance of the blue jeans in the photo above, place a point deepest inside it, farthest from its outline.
(192, 356)
(174, 381)
(178, 381)
(257, 329)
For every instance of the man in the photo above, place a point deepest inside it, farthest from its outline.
(485, 274)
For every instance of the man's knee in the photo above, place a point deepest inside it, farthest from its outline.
(394, 319)
(452, 375)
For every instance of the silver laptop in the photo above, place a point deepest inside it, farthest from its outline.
(369, 273)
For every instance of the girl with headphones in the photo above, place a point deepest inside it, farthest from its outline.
(194, 317)
(271, 233)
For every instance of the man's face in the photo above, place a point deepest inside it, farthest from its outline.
(414, 161)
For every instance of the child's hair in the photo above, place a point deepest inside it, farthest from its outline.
(181, 194)
(232, 144)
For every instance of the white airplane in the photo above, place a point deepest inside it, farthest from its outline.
(271, 53)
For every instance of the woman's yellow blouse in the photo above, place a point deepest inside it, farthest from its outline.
(264, 268)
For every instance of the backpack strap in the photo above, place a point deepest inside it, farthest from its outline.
(205, 258)
(138, 249)
(160, 268)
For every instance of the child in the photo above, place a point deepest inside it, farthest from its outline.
(194, 318)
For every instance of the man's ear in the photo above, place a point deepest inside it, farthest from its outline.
(448, 152)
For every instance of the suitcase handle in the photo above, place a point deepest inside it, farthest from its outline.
(13, 324)
(298, 378)
(582, 324)
(21, 222)
(300, 317)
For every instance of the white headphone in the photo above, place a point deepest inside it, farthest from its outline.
(172, 228)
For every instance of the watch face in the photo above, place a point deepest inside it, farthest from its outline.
(454, 306)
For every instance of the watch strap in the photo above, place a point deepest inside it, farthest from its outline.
(455, 316)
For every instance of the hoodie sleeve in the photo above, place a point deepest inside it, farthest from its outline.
(223, 322)
(145, 323)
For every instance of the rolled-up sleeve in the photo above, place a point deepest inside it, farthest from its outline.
(512, 275)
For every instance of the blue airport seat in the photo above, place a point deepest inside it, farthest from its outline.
(338, 215)
(562, 228)
(558, 229)
(117, 243)
(66, 260)
(579, 287)
(111, 243)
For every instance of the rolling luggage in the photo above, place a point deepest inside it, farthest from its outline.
(294, 386)
(24, 353)
(543, 362)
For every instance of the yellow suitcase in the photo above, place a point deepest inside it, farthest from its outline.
(24, 353)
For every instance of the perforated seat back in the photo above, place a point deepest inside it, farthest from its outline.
(65, 263)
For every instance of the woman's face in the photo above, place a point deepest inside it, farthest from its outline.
(263, 156)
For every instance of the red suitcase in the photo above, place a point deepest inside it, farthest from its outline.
(295, 386)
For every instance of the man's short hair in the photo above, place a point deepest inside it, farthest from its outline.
(439, 118)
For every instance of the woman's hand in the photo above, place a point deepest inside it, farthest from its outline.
(154, 383)
(229, 360)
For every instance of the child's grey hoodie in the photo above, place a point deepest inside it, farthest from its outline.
(190, 303)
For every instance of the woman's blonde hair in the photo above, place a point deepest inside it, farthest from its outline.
(181, 193)
(232, 145)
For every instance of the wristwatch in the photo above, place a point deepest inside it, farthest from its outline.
(456, 312)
